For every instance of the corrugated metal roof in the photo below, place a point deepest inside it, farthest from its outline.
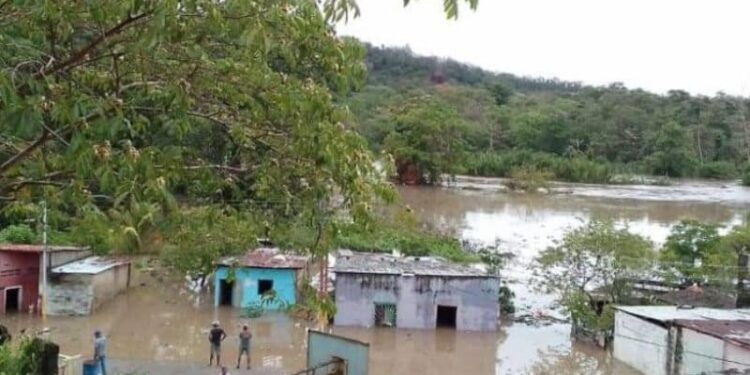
(266, 257)
(737, 331)
(386, 264)
(91, 265)
(37, 248)
(672, 313)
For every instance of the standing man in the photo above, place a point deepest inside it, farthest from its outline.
(100, 351)
(215, 337)
(245, 337)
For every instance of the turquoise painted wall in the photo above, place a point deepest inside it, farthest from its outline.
(246, 285)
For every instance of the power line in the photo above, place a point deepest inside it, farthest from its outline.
(683, 351)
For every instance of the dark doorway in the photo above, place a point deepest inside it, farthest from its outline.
(225, 292)
(264, 286)
(446, 316)
(12, 300)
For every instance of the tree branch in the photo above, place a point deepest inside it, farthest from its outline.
(83, 52)
(20, 155)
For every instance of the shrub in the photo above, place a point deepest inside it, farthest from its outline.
(17, 234)
(572, 169)
(720, 170)
(746, 176)
(528, 179)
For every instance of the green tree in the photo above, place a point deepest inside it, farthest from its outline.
(690, 242)
(427, 140)
(672, 153)
(116, 106)
(597, 255)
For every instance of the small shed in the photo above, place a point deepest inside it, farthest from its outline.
(671, 340)
(413, 292)
(245, 280)
(81, 287)
(20, 277)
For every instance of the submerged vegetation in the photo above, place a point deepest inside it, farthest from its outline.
(599, 263)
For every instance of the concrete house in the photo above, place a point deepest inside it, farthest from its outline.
(20, 276)
(243, 281)
(667, 340)
(413, 292)
(81, 287)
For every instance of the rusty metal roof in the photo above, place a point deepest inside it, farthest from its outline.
(37, 248)
(266, 257)
(91, 265)
(387, 264)
(737, 331)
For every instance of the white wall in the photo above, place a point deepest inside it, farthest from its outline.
(697, 348)
(735, 354)
(640, 344)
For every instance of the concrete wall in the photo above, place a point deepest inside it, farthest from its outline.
(20, 269)
(109, 284)
(58, 258)
(323, 347)
(696, 350)
(70, 294)
(82, 294)
(416, 299)
(641, 344)
(734, 355)
(245, 290)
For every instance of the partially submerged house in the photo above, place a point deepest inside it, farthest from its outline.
(670, 340)
(82, 286)
(244, 280)
(413, 292)
(20, 276)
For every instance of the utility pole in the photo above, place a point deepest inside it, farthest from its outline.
(44, 259)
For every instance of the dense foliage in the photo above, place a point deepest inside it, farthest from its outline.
(597, 259)
(510, 121)
(122, 114)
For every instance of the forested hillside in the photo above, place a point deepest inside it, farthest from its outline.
(439, 116)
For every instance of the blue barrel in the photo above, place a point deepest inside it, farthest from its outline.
(90, 368)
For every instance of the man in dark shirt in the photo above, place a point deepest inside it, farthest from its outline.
(215, 337)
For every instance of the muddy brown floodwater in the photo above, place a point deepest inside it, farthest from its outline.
(159, 320)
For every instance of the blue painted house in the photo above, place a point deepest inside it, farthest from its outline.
(243, 281)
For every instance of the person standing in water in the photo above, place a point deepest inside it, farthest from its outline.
(215, 337)
(100, 351)
(245, 337)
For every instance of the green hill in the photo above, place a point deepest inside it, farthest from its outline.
(502, 123)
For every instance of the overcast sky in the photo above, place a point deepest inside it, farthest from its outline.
(701, 46)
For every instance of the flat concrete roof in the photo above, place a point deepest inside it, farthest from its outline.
(672, 313)
(91, 265)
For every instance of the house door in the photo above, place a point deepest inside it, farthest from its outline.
(226, 289)
(12, 299)
(446, 316)
(385, 315)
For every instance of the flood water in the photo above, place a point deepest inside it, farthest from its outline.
(478, 210)
(160, 320)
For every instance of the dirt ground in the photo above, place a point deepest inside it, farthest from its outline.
(141, 367)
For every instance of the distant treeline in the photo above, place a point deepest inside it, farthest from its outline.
(574, 131)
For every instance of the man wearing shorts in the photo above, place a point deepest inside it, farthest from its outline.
(245, 337)
(215, 337)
